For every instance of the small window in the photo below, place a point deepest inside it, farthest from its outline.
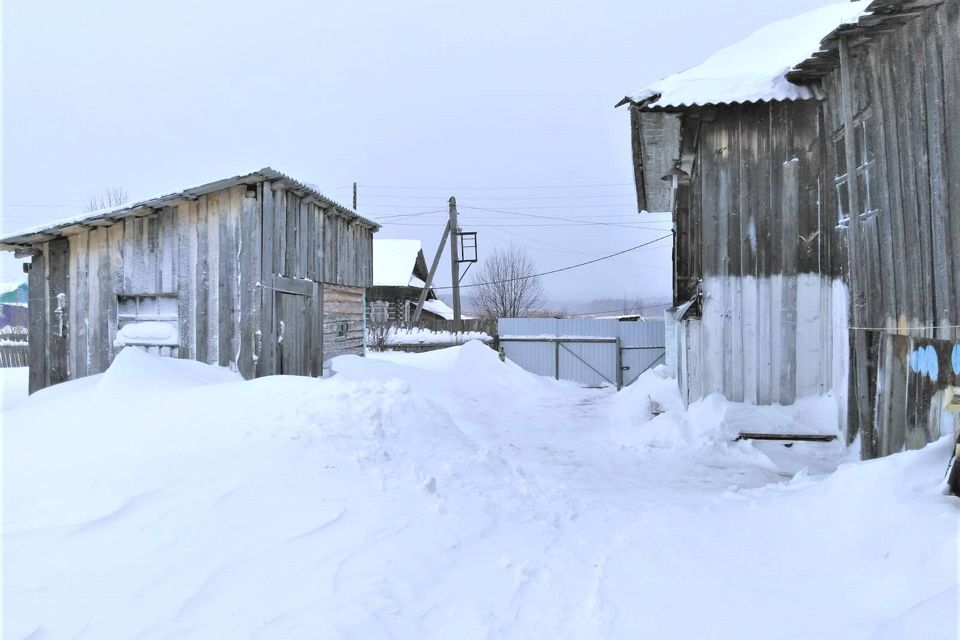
(866, 180)
(342, 328)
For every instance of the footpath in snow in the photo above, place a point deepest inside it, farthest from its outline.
(451, 495)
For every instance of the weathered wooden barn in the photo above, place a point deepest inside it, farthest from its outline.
(399, 276)
(258, 272)
(893, 79)
(778, 291)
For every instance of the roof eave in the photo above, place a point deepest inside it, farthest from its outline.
(39, 235)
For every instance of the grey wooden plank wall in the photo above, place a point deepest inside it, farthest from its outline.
(907, 90)
(224, 255)
(754, 237)
(907, 94)
(342, 304)
(192, 250)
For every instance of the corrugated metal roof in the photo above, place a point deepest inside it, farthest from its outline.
(754, 69)
(39, 233)
(879, 16)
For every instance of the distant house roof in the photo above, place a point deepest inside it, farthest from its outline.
(394, 263)
(42, 232)
(440, 308)
(755, 69)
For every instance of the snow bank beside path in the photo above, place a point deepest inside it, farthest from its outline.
(13, 386)
(446, 495)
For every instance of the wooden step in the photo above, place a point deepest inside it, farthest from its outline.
(791, 437)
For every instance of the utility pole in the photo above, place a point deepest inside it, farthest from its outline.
(354, 196)
(455, 264)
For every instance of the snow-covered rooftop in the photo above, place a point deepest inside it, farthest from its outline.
(754, 69)
(440, 308)
(35, 233)
(8, 287)
(394, 261)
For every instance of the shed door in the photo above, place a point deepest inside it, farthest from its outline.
(293, 335)
(291, 290)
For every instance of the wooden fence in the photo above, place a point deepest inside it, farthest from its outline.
(13, 354)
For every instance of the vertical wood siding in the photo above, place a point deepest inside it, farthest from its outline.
(907, 88)
(752, 235)
(228, 257)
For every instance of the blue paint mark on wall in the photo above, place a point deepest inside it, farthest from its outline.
(924, 361)
(955, 359)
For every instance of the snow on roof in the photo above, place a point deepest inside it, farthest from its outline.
(440, 308)
(34, 233)
(393, 263)
(8, 287)
(754, 69)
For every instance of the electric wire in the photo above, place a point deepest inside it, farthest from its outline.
(552, 271)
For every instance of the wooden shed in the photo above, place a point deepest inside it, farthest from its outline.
(776, 286)
(258, 272)
(760, 303)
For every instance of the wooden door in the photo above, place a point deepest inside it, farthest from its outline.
(292, 333)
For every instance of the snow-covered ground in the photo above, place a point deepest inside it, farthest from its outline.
(450, 495)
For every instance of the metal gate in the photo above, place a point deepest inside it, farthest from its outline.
(591, 352)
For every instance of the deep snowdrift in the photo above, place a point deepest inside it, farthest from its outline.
(445, 495)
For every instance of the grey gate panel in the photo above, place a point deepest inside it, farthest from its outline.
(591, 352)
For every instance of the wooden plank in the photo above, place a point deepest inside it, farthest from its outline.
(292, 285)
(916, 129)
(128, 258)
(860, 362)
(763, 232)
(214, 203)
(202, 280)
(291, 256)
(945, 285)
(228, 243)
(105, 309)
(789, 208)
(187, 269)
(115, 248)
(749, 146)
(58, 279)
(250, 233)
(39, 327)
(78, 303)
(303, 240)
(948, 27)
(892, 199)
(892, 279)
(280, 230)
(166, 220)
(792, 437)
(267, 364)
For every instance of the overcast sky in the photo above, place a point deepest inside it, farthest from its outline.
(415, 101)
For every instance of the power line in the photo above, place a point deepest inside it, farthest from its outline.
(551, 206)
(563, 197)
(544, 246)
(410, 215)
(639, 226)
(567, 268)
(501, 188)
(621, 310)
(534, 215)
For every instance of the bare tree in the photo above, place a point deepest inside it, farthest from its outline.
(506, 286)
(109, 197)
